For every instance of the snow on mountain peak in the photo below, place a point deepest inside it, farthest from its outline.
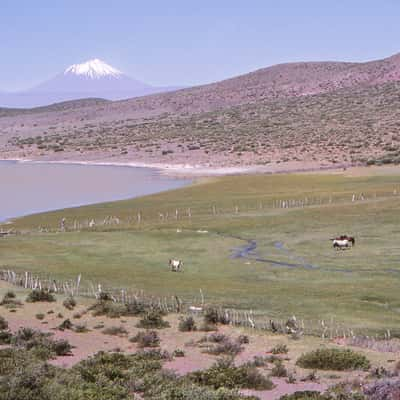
(94, 69)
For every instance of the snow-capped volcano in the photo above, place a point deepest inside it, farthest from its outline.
(94, 69)
(93, 78)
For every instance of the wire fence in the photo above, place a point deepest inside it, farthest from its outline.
(325, 329)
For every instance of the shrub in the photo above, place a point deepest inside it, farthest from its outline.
(279, 349)
(115, 330)
(66, 324)
(333, 359)
(146, 339)
(215, 338)
(224, 374)
(228, 347)
(81, 328)
(10, 295)
(243, 339)
(77, 315)
(135, 308)
(187, 324)
(178, 353)
(104, 296)
(212, 316)
(279, 370)
(69, 303)
(5, 337)
(9, 300)
(3, 323)
(40, 316)
(41, 343)
(153, 320)
(108, 308)
(40, 295)
(258, 361)
(222, 344)
(305, 395)
(385, 389)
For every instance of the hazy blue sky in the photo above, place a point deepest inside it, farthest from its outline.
(183, 42)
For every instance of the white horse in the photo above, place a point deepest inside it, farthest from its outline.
(341, 244)
(176, 265)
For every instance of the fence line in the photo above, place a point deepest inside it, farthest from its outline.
(185, 213)
(325, 329)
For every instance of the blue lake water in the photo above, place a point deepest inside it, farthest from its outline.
(27, 188)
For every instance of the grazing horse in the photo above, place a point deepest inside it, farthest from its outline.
(343, 242)
(176, 265)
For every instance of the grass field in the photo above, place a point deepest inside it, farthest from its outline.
(292, 270)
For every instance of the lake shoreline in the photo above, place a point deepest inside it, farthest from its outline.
(196, 170)
(30, 187)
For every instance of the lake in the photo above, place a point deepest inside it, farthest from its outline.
(29, 187)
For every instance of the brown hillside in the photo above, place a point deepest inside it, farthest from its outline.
(325, 112)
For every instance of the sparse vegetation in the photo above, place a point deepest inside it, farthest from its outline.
(10, 300)
(146, 339)
(187, 324)
(69, 303)
(37, 295)
(115, 331)
(153, 320)
(279, 349)
(225, 375)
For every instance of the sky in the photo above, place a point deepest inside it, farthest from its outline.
(186, 42)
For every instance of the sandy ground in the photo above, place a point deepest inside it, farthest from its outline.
(86, 344)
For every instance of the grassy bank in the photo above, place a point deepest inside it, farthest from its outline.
(292, 270)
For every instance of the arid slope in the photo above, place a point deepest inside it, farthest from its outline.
(313, 112)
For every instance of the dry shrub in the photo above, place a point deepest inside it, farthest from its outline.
(37, 295)
(146, 339)
(115, 331)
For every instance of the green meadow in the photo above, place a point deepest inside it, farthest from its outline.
(293, 268)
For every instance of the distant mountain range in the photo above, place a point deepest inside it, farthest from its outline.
(92, 79)
(309, 113)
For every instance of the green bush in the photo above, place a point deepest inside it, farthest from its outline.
(40, 295)
(40, 343)
(224, 374)
(146, 339)
(153, 320)
(333, 359)
(187, 324)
